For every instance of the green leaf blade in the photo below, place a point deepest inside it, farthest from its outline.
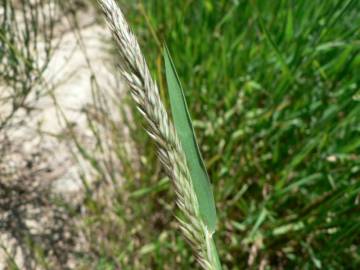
(186, 133)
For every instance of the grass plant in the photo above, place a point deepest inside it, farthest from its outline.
(146, 95)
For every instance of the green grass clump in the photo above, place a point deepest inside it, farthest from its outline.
(273, 87)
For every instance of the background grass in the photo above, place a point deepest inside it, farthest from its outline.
(273, 87)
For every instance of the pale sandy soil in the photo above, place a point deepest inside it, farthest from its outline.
(78, 57)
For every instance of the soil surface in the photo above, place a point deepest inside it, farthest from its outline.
(41, 155)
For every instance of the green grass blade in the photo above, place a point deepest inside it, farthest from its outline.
(185, 130)
(289, 31)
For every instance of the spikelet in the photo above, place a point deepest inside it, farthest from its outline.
(160, 128)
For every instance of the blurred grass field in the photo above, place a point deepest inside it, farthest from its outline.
(273, 88)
